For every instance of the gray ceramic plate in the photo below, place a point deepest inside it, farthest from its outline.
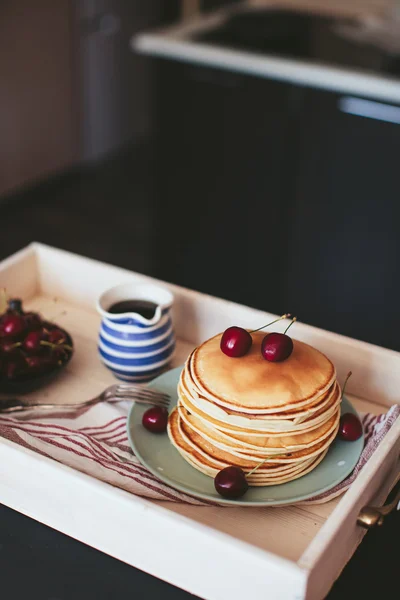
(157, 453)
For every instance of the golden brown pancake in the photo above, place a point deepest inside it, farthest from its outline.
(302, 408)
(260, 444)
(242, 458)
(252, 383)
(186, 444)
(248, 412)
(273, 474)
(254, 426)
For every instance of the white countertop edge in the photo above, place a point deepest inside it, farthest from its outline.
(171, 45)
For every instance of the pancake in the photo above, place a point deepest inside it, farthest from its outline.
(272, 476)
(262, 444)
(279, 418)
(241, 458)
(301, 409)
(224, 420)
(250, 383)
(182, 442)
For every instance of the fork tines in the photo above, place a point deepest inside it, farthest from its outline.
(142, 390)
(142, 394)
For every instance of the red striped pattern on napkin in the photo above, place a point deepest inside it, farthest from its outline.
(375, 429)
(94, 441)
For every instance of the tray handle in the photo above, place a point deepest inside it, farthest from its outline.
(374, 515)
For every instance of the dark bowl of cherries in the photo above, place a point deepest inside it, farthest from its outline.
(32, 350)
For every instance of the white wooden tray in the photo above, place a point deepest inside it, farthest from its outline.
(286, 553)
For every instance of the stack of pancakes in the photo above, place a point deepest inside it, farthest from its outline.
(241, 411)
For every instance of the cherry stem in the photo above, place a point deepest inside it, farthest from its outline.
(16, 345)
(261, 463)
(286, 316)
(290, 324)
(65, 346)
(349, 374)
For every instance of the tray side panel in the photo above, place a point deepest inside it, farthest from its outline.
(339, 537)
(133, 530)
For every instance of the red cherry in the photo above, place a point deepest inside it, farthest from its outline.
(350, 427)
(7, 346)
(13, 364)
(12, 369)
(231, 482)
(38, 364)
(59, 355)
(276, 347)
(32, 341)
(33, 362)
(33, 321)
(155, 419)
(235, 342)
(56, 336)
(13, 325)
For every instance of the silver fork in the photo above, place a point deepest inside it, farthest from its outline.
(112, 394)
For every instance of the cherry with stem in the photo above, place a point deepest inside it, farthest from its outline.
(236, 341)
(290, 324)
(155, 419)
(232, 483)
(350, 427)
(285, 316)
(277, 347)
(349, 374)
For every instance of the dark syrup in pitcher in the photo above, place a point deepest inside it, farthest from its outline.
(144, 308)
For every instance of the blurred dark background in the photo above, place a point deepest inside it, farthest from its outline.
(255, 189)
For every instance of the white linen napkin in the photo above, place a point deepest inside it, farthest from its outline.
(95, 441)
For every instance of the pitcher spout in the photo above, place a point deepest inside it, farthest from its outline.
(143, 305)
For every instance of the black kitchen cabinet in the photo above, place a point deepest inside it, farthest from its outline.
(223, 187)
(344, 241)
(277, 197)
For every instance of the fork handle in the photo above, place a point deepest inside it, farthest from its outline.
(22, 406)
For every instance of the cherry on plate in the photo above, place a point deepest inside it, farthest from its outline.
(231, 482)
(155, 419)
(350, 427)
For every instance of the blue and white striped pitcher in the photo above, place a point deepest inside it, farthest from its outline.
(133, 347)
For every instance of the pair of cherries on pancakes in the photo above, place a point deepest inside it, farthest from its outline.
(236, 342)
